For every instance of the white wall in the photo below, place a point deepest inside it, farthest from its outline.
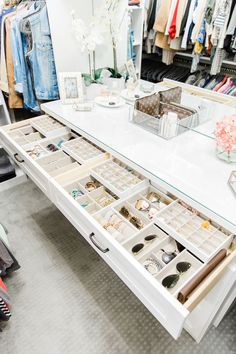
(67, 53)
(68, 56)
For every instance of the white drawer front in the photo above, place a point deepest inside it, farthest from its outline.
(27, 164)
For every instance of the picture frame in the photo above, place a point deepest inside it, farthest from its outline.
(71, 87)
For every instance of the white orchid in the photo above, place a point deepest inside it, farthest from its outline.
(110, 19)
(105, 26)
(88, 36)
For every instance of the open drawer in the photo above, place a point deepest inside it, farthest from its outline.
(79, 209)
(86, 193)
(11, 142)
(37, 149)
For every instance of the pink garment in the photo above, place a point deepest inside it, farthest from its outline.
(226, 86)
(218, 86)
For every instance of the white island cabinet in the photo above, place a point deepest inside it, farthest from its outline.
(95, 166)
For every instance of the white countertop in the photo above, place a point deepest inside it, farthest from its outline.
(188, 162)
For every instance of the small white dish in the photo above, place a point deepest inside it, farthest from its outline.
(134, 96)
(109, 101)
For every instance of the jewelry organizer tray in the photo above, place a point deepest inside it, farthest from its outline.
(82, 150)
(90, 194)
(48, 126)
(195, 232)
(118, 177)
(25, 135)
(37, 129)
(47, 149)
(57, 163)
(46, 146)
(151, 256)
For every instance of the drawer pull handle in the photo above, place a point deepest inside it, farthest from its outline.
(92, 239)
(18, 158)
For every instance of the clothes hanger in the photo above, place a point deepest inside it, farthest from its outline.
(40, 4)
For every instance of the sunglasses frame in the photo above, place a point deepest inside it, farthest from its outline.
(143, 244)
(177, 275)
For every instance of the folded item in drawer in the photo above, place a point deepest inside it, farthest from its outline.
(200, 276)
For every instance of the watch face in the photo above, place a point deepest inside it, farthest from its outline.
(232, 181)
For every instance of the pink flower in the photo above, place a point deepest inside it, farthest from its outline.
(226, 133)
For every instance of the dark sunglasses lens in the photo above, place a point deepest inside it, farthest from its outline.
(170, 281)
(124, 212)
(137, 248)
(150, 238)
(183, 267)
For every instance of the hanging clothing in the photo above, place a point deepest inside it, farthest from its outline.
(27, 66)
(41, 57)
(220, 21)
(162, 16)
(232, 23)
(3, 72)
(188, 24)
(185, 17)
(14, 99)
(172, 28)
(23, 77)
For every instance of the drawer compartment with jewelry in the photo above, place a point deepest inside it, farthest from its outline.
(23, 133)
(47, 146)
(164, 258)
(82, 150)
(119, 178)
(150, 201)
(196, 232)
(57, 163)
(48, 126)
(84, 190)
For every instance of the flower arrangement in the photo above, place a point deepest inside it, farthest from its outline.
(104, 26)
(226, 138)
(88, 36)
(111, 17)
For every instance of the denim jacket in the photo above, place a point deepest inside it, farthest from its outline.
(41, 57)
(22, 73)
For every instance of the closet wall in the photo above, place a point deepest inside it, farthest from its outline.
(68, 55)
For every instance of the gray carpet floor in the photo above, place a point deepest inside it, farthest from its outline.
(66, 300)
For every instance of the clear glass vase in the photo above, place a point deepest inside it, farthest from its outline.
(228, 156)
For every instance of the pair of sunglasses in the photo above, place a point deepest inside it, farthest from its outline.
(132, 219)
(140, 246)
(51, 148)
(171, 280)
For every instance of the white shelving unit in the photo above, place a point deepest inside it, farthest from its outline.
(137, 19)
